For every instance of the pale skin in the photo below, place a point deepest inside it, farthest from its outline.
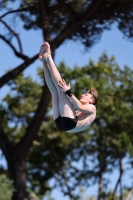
(63, 105)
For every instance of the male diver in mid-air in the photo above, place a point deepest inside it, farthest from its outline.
(70, 114)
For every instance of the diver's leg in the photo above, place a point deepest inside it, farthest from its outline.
(53, 90)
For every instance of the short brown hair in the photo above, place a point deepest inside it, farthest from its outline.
(94, 93)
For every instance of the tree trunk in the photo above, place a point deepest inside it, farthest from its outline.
(18, 175)
(100, 185)
(119, 181)
(121, 172)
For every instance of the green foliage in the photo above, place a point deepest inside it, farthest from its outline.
(21, 104)
(6, 188)
(56, 154)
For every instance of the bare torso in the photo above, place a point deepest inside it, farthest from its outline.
(84, 121)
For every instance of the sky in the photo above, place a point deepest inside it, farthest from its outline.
(72, 53)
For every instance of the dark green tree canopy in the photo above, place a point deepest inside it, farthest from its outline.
(78, 19)
(83, 20)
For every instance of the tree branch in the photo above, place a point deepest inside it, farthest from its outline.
(13, 73)
(66, 184)
(32, 194)
(33, 128)
(5, 143)
(72, 28)
(118, 181)
(20, 55)
(45, 21)
(14, 11)
(15, 34)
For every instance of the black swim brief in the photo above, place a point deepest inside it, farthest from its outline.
(66, 123)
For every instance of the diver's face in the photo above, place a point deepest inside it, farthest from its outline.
(86, 98)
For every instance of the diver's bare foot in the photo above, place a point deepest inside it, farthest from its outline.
(44, 51)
